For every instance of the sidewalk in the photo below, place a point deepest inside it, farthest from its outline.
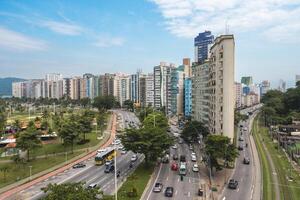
(25, 183)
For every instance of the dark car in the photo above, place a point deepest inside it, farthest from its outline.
(240, 148)
(79, 165)
(233, 184)
(246, 161)
(175, 157)
(169, 192)
(157, 187)
(241, 138)
(182, 158)
(109, 168)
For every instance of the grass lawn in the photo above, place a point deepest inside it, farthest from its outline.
(288, 189)
(268, 188)
(22, 171)
(139, 180)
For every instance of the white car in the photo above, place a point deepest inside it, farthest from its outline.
(194, 159)
(133, 158)
(117, 142)
(101, 150)
(174, 146)
(193, 154)
(123, 151)
(195, 168)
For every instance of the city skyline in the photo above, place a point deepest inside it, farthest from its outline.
(43, 37)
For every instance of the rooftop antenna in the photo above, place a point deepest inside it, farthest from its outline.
(226, 27)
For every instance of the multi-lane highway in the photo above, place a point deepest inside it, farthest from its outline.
(183, 189)
(91, 173)
(247, 175)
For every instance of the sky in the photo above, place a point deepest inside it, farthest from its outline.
(99, 36)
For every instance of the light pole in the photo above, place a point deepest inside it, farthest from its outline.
(115, 160)
(30, 172)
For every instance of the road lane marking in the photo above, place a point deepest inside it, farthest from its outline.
(224, 198)
(189, 194)
(150, 192)
(238, 190)
(176, 192)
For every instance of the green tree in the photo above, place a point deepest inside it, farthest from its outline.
(218, 147)
(85, 102)
(143, 113)
(2, 121)
(28, 140)
(156, 119)
(150, 141)
(69, 132)
(129, 104)
(239, 117)
(4, 169)
(101, 119)
(192, 130)
(103, 103)
(71, 191)
(85, 125)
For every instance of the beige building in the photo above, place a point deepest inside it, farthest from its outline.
(213, 88)
(238, 94)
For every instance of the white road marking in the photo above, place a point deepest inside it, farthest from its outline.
(167, 178)
(224, 198)
(176, 192)
(238, 190)
(189, 194)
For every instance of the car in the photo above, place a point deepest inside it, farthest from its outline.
(126, 120)
(193, 154)
(169, 192)
(92, 185)
(194, 159)
(120, 147)
(195, 168)
(245, 129)
(191, 147)
(157, 187)
(240, 148)
(182, 158)
(246, 161)
(133, 158)
(241, 138)
(118, 173)
(116, 142)
(101, 150)
(174, 166)
(165, 159)
(200, 192)
(174, 146)
(108, 162)
(123, 151)
(109, 168)
(79, 165)
(233, 184)
(241, 126)
(180, 141)
(175, 157)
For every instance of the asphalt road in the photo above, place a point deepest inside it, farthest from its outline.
(248, 176)
(91, 173)
(183, 190)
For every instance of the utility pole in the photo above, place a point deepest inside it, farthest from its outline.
(115, 159)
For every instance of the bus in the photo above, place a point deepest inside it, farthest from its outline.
(102, 157)
(182, 169)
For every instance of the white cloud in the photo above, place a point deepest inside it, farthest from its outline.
(109, 41)
(17, 41)
(62, 27)
(186, 18)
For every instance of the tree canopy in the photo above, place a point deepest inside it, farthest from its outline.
(218, 147)
(192, 131)
(104, 102)
(71, 191)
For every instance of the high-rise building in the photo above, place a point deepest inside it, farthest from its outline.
(264, 87)
(238, 94)
(297, 79)
(176, 101)
(186, 62)
(282, 85)
(53, 77)
(149, 97)
(202, 45)
(162, 85)
(215, 78)
(247, 80)
(187, 97)
(135, 87)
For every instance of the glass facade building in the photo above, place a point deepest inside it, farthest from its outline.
(202, 43)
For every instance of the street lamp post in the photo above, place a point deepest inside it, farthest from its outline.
(30, 172)
(115, 160)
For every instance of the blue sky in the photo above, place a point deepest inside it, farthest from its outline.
(98, 36)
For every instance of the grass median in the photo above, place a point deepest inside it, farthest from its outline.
(16, 172)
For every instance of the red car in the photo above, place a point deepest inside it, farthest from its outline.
(174, 166)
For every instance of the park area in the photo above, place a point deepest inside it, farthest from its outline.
(38, 139)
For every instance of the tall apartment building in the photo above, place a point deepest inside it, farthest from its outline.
(247, 80)
(297, 78)
(238, 94)
(215, 78)
(176, 101)
(122, 87)
(186, 62)
(264, 87)
(162, 85)
(282, 85)
(149, 97)
(202, 44)
(187, 97)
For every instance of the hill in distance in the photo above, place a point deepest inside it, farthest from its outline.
(5, 85)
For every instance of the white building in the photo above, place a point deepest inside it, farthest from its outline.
(282, 85)
(238, 94)
(218, 88)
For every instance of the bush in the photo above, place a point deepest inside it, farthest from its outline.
(82, 141)
(132, 192)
